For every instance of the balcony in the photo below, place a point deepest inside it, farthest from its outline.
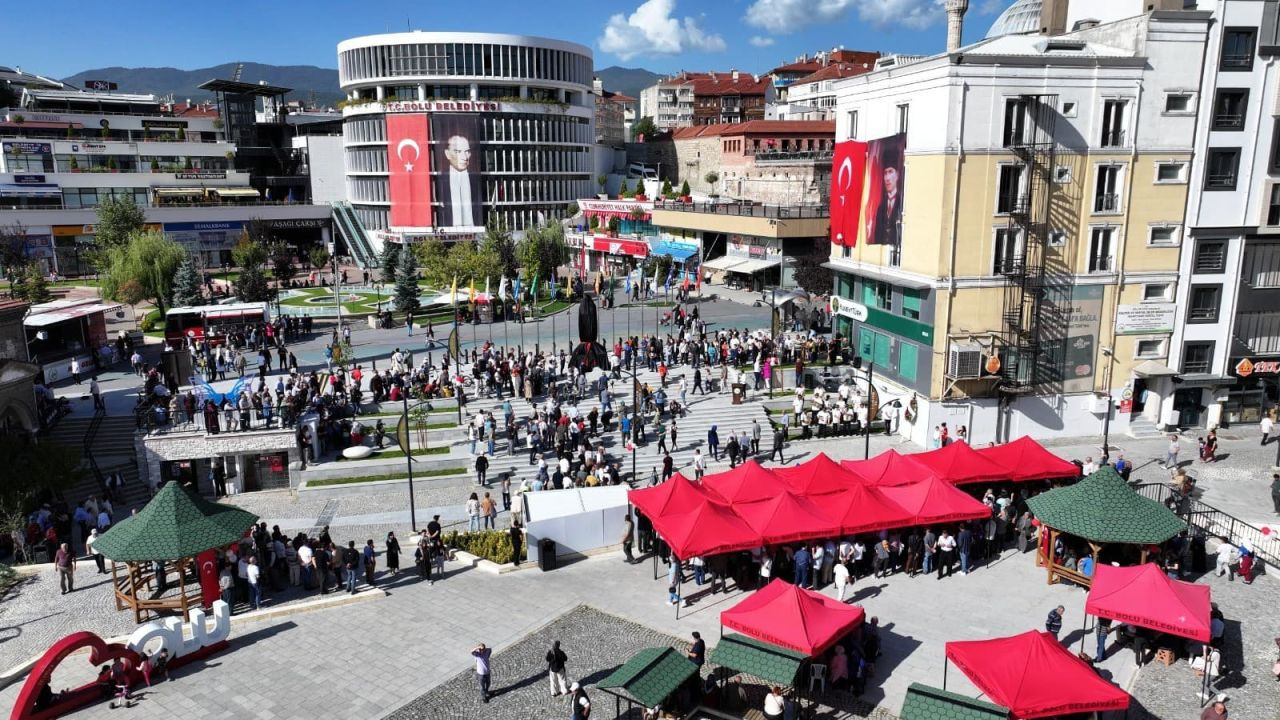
(1101, 264)
(1106, 203)
(1237, 61)
(747, 209)
(1112, 138)
(793, 158)
(1228, 121)
(1220, 181)
(1019, 204)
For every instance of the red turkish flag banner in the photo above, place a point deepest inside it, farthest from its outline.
(409, 161)
(210, 593)
(848, 174)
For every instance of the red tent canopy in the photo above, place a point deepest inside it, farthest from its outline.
(678, 494)
(1144, 595)
(786, 518)
(749, 482)
(1025, 459)
(935, 501)
(709, 529)
(888, 468)
(819, 476)
(796, 619)
(1034, 676)
(864, 508)
(958, 463)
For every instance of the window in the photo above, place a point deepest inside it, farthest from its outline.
(1113, 123)
(911, 303)
(1062, 174)
(1009, 190)
(1237, 49)
(1106, 196)
(1178, 103)
(1211, 257)
(877, 294)
(1101, 245)
(904, 116)
(1151, 348)
(1068, 108)
(1015, 122)
(1008, 251)
(1221, 169)
(1273, 166)
(1273, 206)
(1057, 238)
(1171, 172)
(1229, 108)
(1203, 304)
(908, 360)
(1163, 236)
(1261, 266)
(853, 124)
(1157, 292)
(1197, 357)
(873, 347)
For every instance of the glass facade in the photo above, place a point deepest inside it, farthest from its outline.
(481, 60)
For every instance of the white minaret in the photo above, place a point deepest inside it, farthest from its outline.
(955, 23)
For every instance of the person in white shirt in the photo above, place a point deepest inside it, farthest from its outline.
(841, 580)
(1090, 467)
(252, 575)
(1266, 426)
(773, 703)
(306, 561)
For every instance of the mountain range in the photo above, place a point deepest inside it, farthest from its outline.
(309, 83)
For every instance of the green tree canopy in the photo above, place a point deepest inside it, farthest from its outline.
(406, 294)
(684, 189)
(251, 255)
(13, 250)
(390, 257)
(186, 284)
(281, 256)
(644, 126)
(142, 269)
(542, 251)
(498, 243)
(33, 469)
(37, 288)
(118, 219)
(319, 257)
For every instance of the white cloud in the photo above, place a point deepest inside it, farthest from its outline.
(651, 30)
(786, 16)
(992, 7)
(760, 41)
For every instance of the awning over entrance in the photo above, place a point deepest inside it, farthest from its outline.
(56, 316)
(749, 267)
(679, 252)
(236, 192)
(724, 262)
(178, 192)
(1153, 369)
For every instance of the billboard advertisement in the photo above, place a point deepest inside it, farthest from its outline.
(848, 177)
(885, 176)
(409, 165)
(458, 163)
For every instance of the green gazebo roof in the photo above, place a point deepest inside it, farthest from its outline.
(1103, 508)
(764, 660)
(651, 675)
(930, 703)
(175, 524)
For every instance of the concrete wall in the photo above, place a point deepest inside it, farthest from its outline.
(328, 170)
(198, 445)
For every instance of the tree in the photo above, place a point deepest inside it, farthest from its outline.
(118, 219)
(406, 293)
(319, 257)
(142, 269)
(33, 472)
(712, 178)
(37, 288)
(623, 191)
(499, 244)
(13, 251)
(186, 284)
(281, 257)
(432, 258)
(809, 272)
(644, 126)
(543, 251)
(390, 256)
(251, 257)
(684, 189)
(666, 188)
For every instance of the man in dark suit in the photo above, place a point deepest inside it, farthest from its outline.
(458, 185)
(888, 217)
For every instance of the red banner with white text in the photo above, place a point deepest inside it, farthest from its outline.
(848, 175)
(409, 161)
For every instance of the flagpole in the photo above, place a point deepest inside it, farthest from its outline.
(506, 337)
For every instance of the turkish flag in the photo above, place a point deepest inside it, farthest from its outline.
(210, 593)
(409, 160)
(848, 173)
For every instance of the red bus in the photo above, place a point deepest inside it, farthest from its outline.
(212, 322)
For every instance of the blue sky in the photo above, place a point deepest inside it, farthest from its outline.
(660, 35)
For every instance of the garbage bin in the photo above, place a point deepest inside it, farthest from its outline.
(739, 393)
(810, 382)
(546, 554)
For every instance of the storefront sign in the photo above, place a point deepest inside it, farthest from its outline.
(414, 106)
(620, 246)
(74, 230)
(1083, 311)
(28, 179)
(164, 124)
(201, 175)
(621, 208)
(203, 226)
(297, 223)
(848, 308)
(753, 248)
(105, 85)
(28, 148)
(1246, 367)
(1126, 400)
(1145, 318)
(91, 148)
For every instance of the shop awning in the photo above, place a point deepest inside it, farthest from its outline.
(724, 262)
(650, 676)
(1025, 459)
(678, 251)
(769, 662)
(236, 192)
(1153, 369)
(793, 618)
(45, 319)
(41, 190)
(1034, 676)
(1146, 596)
(958, 463)
(936, 501)
(177, 191)
(755, 265)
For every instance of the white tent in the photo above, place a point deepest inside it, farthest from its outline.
(578, 520)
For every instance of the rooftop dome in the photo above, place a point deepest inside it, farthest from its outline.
(1021, 17)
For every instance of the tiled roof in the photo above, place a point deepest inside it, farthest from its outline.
(848, 57)
(758, 127)
(930, 703)
(1103, 508)
(651, 675)
(768, 662)
(175, 524)
(839, 70)
(722, 83)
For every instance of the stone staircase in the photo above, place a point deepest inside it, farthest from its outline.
(112, 450)
(1141, 428)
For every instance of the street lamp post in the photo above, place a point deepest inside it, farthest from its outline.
(337, 301)
(1106, 419)
(408, 462)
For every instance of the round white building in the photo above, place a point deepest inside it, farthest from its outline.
(445, 131)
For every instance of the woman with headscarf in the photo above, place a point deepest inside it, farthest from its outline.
(393, 553)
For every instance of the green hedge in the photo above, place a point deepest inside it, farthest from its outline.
(492, 545)
(151, 321)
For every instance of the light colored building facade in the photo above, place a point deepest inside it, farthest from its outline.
(526, 103)
(706, 98)
(1043, 193)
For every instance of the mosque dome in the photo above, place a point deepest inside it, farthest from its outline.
(1021, 17)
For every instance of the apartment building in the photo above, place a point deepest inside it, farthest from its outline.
(709, 98)
(1042, 181)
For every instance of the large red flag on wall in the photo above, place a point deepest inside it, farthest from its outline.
(409, 160)
(848, 173)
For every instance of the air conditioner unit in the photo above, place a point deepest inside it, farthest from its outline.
(964, 360)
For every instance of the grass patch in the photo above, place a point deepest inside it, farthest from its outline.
(386, 454)
(376, 478)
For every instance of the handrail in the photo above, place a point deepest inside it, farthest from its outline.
(1212, 520)
(91, 434)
